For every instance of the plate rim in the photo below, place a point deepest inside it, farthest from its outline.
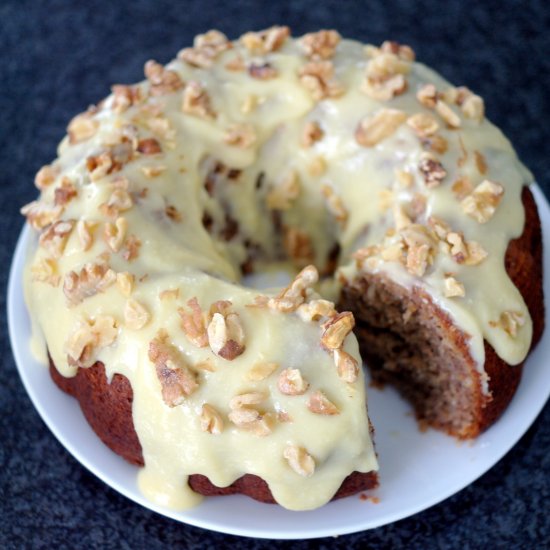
(14, 299)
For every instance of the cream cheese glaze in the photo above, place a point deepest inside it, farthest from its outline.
(169, 187)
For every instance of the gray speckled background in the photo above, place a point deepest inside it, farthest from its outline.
(56, 58)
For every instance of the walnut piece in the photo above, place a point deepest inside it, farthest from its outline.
(482, 202)
(284, 193)
(347, 367)
(261, 371)
(311, 134)
(92, 279)
(453, 288)
(316, 310)
(196, 101)
(136, 315)
(266, 41)
(290, 298)
(336, 330)
(321, 44)
(87, 339)
(81, 128)
(240, 135)
(163, 81)
(510, 322)
(375, 128)
(177, 380)
(211, 420)
(115, 233)
(291, 382)
(206, 48)
(46, 271)
(46, 176)
(298, 246)
(299, 460)
(432, 171)
(318, 78)
(385, 73)
(447, 114)
(125, 283)
(226, 335)
(318, 403)
(423, 124)
(39, 214)
(335, 205)
(193, 323)
(55, 237)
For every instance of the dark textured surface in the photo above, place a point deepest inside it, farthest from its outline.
(57, 58)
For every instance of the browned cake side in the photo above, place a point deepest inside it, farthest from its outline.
(410, 342)
(108, 410)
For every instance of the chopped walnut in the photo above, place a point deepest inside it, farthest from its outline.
(510, 322)
(321, 44)
(318, 403)
(290, 298)
(262, 71)
(92, 279)
(266, 41)
(196, 101)
(206, 48)
(130, 250)
(88, 337)
(375, 128)
(362, 255)
(226, 335)
(468, 253)
(169, 294)
(473, 108)
(46, 176)
(240, 135)
(423, 124)
(245, 417)
(119, 201)
(81, 128)
(436, 143)
(482, 202)
(400, 217)
(336, 330)
(298, 246)
(421, 243)
(173, 213)
(347, 367)
(193, 323)
(404, 52)
(291, 382)
(246, 399)
(404, 179)
(312, 133)
(385, 75)
(299, 460)
(115, 233)
(236, 64)
(125, 283)
(462, 187)
(316, 310)
(261, 371)
(427, 95)
(481, 163)
(55, 237)
(335, 205)
(453, 288)
(136, 315)
(439, 227)
(318, 78)
(124, 97)
(476, 253)
(65, 193)
(163, 81)
(211, 420)
(40, 215)
(151, 172)
(161, 127)
(287, 190)
(447, 114)
(432, 171)
(100, 165)
(149, 146)
(45, 271)
(176, 378)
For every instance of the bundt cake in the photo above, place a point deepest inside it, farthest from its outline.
(379, 186)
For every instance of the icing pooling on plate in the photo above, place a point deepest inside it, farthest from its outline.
(158, 175)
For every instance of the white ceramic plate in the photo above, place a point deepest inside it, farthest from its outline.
(417, 470)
